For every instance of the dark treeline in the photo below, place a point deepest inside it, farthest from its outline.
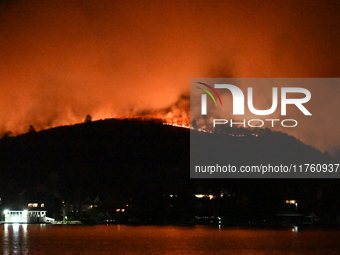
(143, 167)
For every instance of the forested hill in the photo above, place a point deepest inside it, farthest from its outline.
(133, 158)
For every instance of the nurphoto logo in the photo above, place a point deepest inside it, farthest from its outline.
(260, 128)
(238, 104)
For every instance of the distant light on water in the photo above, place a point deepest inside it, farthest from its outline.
(295, 228)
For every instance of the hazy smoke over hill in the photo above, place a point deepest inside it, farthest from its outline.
(61, 60)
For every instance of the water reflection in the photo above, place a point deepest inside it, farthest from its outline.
(15, 239)
(165, 240)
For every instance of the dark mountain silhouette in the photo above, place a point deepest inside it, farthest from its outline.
(143, 162)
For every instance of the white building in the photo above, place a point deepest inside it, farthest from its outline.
(26, 216)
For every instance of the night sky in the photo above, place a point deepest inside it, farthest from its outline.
(63, 59)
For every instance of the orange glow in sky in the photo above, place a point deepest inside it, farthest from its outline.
(61, 60)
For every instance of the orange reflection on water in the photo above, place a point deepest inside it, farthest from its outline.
(165, 240)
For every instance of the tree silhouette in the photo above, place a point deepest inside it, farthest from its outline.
(88, 118)
(31, 130)
(7, 134)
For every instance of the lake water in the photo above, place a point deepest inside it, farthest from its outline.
(163, 240)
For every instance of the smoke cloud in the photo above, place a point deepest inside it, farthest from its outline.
(61, 60)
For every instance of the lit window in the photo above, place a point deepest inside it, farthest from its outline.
(205, 195)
